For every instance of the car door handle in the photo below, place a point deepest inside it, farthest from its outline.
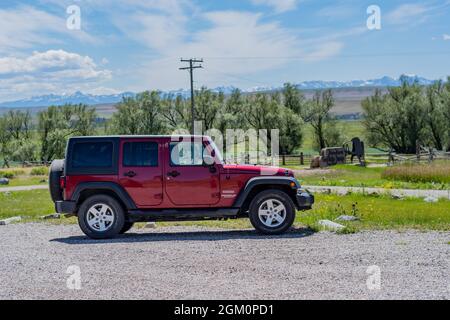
(173, 174)
(130, 174)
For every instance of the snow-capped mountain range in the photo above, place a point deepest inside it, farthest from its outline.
(79, 97)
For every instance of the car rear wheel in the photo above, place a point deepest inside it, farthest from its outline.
(272, 212)
(101, 217)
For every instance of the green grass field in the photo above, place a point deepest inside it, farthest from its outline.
(26, 181)
(355, 176)
(380, 212)
(376, 212)
(31, 204)
(25, 176)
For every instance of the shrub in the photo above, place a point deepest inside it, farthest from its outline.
(7, 174)
(39, 171)
(10, 174)
(437, 172)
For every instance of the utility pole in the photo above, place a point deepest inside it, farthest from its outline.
(191, 68)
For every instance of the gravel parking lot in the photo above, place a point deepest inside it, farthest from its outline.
(197, 263)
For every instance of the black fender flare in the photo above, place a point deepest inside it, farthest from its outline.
(118, 190)
(257, 181)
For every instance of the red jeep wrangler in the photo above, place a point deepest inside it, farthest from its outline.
(112, 182)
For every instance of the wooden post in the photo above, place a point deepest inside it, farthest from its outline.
(302, 159)
(418, 150)
(284, 159)
(391, 157)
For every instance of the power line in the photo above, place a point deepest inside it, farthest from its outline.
(316, 56)
(192, 65)
(237, 77)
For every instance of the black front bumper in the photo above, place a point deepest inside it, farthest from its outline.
(66, 207)
(305, 200)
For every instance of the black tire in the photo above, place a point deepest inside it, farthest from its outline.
(259, 201)
(114, 209)
(55, 172)
(126, 227)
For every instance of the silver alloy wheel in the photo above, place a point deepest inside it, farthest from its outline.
(100, 217)
(272, 213)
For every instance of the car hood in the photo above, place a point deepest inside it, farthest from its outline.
(257, 170)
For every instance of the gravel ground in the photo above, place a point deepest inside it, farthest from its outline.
(198, 263)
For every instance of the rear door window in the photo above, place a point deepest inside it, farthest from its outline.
(140, 154)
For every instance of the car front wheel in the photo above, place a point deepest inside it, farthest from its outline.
(126, 227)
(101, 217)
(272, 212)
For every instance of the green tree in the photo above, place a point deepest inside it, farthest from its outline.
(435, 115)
(5, 140)
(176, 112)
(398, 119)
(291, 134)
(264, 111)
(261, 112)
(318, 114)
(445, 96)
(139, 115)
(208, 105)
(26, 150)
(57, 124)
(18, 124)
(293, 98)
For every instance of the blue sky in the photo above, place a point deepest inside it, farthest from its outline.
(136, 45)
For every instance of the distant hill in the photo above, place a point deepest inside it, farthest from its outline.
(348, 94)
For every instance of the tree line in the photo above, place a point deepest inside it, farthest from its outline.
(397, 119)
(23, 138)
(287, 111)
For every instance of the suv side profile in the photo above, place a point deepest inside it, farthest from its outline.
(112, 182)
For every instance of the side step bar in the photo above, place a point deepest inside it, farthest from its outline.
(182, 214)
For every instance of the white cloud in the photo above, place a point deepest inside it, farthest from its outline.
(47, 72)
(24, 27)
(234, 43)
(446, 37)
(415, 13)
(52, 62)
(278, 5)
(237, 46)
